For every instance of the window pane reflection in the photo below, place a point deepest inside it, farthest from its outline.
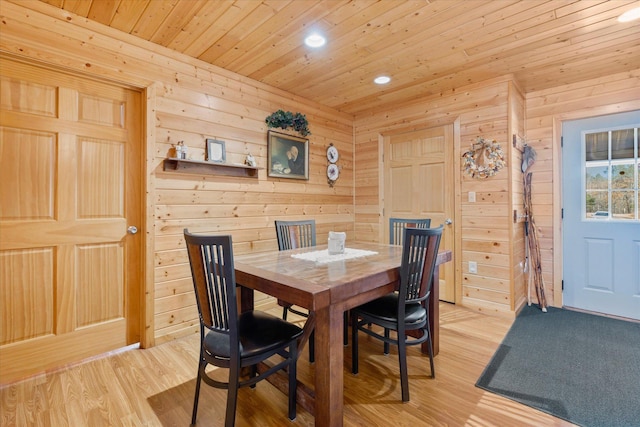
(597, 177)
(597, 146)
(622, 144)
(622, 177)
(597, 201)
(623, 204)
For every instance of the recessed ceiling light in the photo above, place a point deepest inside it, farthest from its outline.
(630, 15)
(382, 80)
(315, 40)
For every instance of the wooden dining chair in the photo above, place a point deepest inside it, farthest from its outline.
(294, 235)
(231, 340)
(406, 309)
(397, 226)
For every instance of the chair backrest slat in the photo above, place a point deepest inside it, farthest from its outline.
(218, 296)
(419, 253)
(213, 273)
(397, 226)
(296, 234)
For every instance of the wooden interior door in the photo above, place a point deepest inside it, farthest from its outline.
(419, 183)
(70, 168)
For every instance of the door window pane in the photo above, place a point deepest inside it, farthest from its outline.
(597, 177)
(597, 202)
(597, 146)
(611, 174)
(622, 144)
(623, 204)
(622, 177)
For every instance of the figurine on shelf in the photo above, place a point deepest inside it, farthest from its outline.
(250, 161)
(181, 150)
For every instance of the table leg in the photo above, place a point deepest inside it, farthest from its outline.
(246, 299)
(329, 367)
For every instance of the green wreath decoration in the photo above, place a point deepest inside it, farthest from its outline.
(484, 159)
(286, 119)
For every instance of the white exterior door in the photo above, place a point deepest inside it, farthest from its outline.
(601, 227)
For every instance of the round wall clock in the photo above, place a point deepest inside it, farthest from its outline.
(332, 153)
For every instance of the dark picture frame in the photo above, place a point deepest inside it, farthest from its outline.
(216, 151)
(287, 156)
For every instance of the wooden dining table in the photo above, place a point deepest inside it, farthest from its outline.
(327, 290)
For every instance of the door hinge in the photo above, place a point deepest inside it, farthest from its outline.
(561, 141)
(562, 213)
(563, 284)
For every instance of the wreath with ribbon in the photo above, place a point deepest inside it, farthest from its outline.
(484, 159)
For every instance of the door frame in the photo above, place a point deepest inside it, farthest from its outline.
(457, 196)
(558, 119)
(147, 299)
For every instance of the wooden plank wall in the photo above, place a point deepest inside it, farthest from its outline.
(243, 207)
(546, 110)
(190, 100)
(487, 235)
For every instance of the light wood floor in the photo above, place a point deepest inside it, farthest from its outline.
(154, 387)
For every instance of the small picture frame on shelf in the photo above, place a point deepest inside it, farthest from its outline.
(216, 151)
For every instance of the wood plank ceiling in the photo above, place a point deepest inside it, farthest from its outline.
(426, 46)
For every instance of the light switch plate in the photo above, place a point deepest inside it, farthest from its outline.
(473, 267)
(472, 196)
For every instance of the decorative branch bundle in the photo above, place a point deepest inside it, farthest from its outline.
(533, 248)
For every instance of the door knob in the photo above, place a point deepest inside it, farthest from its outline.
(132, 229)
(448, 221)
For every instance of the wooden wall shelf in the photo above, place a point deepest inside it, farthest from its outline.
(209, 168)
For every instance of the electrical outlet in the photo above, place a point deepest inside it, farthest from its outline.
(473, 267)
(472, 196)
